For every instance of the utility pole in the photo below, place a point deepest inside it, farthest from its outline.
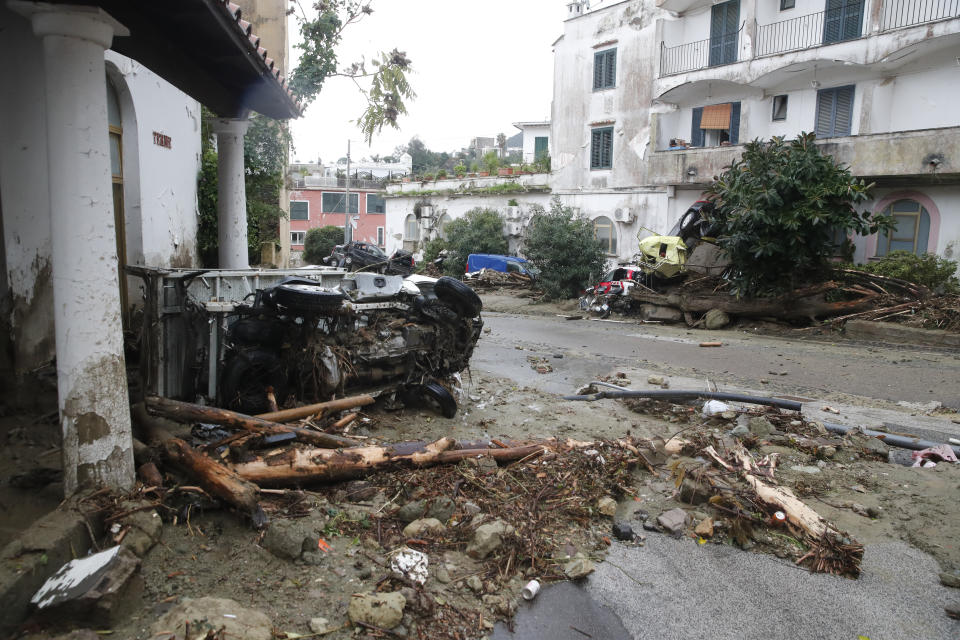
(346, 207)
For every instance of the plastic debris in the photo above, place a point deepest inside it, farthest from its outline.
(410, 564)
(929, 457)
(715, 407)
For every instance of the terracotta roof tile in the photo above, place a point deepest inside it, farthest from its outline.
(255, 41)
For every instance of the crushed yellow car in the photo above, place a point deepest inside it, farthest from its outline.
(665, 256)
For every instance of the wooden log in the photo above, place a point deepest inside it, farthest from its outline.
(799, 304)
(344, 421)
(216, 479)
(305, 466)
(340, 404)
(187, 412)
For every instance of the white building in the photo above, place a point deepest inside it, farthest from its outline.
(652, 98)
(99, 155)
(536, 140)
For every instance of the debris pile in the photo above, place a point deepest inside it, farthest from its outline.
(488, 279)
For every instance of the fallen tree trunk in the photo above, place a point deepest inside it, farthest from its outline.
(216, 479)
(799, 304)
(830, 550)
(340, 404)
(303, 466)
(187, 412)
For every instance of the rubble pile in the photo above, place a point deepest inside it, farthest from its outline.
(488, 279)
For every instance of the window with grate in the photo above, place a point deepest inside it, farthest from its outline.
(380, 237)
(834, 112)
(912, 231)
(333, 202)
(715, 124)
(299, 210)
(601, 148)
(297, 238)
(779, 107)
(604, 69)
(606, 233)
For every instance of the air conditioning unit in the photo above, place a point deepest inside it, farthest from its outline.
(513, 228)
(625, 215)
(426, 212)
(514, 213)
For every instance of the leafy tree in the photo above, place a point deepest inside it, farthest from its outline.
(478, 231)
(384, 83)
(320, 242)
(564, 249)
(778, 208)
(491, 161)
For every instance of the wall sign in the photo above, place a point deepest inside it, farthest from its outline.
(161, 140)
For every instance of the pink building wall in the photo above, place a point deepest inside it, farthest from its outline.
(371, 227)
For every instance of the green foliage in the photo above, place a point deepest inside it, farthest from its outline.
(432, 249)
(478, 231)
(319, 243)
(423, 160)
(491, 161)
(384, 85)
(778, 208)
(930, 270)
(460, 169)
(474, 166)
(512, 202)
(564, 249)
(511, 186)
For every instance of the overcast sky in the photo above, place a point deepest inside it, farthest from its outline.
(478, 67)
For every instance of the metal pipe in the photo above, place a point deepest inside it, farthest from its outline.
(904, 442)
(789, 405)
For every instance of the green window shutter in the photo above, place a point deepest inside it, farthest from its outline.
(734, 123)
(299, 210)
(601, 148)
(696, 133)
(334, 202)
(597, 71)
(540, 147)
(834, 111)
(610, 69)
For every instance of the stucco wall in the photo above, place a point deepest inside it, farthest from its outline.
(364, 229)
(530, 134)
(24, 189)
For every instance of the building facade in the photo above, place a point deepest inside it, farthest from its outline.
(319, 202)
(653, 98)
(536, 140)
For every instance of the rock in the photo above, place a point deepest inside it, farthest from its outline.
(829, 451)
(859, 509)
(661, 313)
(873, 447)
(487, 538)
(692, 492)
(728, 415)
(805, 469)
(145, 528)
(442, 575)
(704, 528)
(740, 431)
(707, 259)
(579, 567)
(313, 558)
(384, 610)
(319, 625)
(760, 426)
(412, 510)
(498, 604)
(952, 611)
(655, 380)
(475, 584)
(715, 319)
(441, 508)
(79, 634)
(650, 526)
(607, 506)
(873, 512)
(674, 521)
(471, 508)
(951, 579)
(358, 491)
(622, 531)
(205, 614)
(99, 589)
(288, 539)
(423, 527)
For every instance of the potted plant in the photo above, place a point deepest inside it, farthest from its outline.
(505, 171)
(427, 177)
(460, 170)
(491, 162)
(441, 174)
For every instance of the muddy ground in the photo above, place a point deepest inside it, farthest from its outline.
(210, 551)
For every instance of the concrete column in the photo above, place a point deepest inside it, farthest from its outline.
(91, 372)
(231, 193)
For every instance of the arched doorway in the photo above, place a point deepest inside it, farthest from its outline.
(115, 128)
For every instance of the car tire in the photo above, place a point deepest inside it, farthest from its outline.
(257, 331)
(436, 396)
(307, 297)
(459, 295)
(245, 378)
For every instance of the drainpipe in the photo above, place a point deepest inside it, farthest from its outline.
(231, 193)
(91, 372)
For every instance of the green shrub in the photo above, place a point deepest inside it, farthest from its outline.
(564, 249)
(460, 169)
(936, 273)
(320, 242)
(778, 208)
(491, 162)
(478, 231)
(432, 249)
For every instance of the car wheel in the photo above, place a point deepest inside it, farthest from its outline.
(436, 396)
(257, 331)
(307, 297)
(245, 379)
(458, 295)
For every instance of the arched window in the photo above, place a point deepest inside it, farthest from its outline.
(606, 233)
(912, 232)
(442, 226)
(411, 228)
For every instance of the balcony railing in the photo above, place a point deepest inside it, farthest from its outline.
(812, 30)
(906, 13)
(331, 182)
(712, 52)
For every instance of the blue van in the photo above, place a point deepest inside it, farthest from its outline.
(506, 264)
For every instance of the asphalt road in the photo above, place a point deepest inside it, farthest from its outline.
(675, 589)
